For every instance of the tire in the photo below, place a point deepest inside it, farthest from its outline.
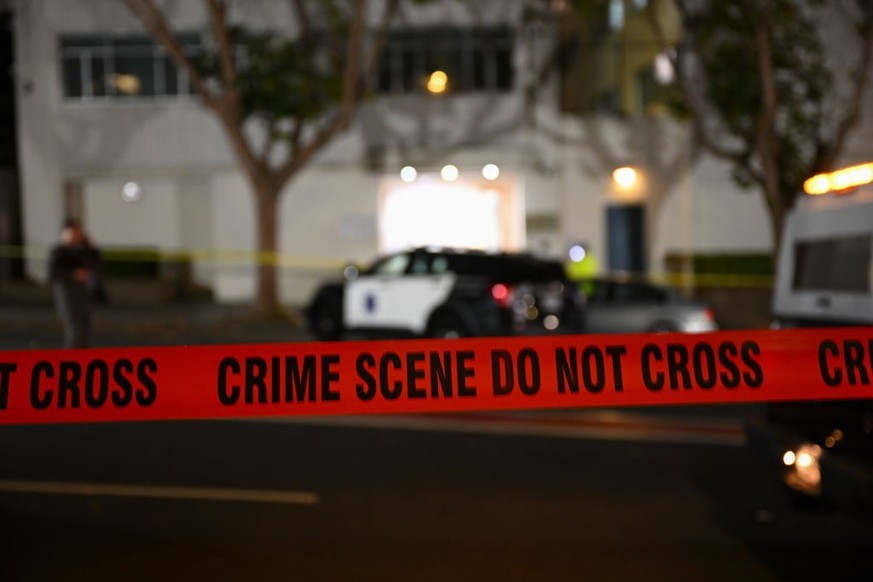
(326, 321)
(448, 326)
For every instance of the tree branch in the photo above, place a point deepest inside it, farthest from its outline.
(301, 156)
(351, 93)
(334, 46)
(225, 108)
(686, 48)
(218, 20)
(597, 144)
(302, 14)
(391, 7)
(350, 98)
(296, 133)
(156, 24)
(765, 139)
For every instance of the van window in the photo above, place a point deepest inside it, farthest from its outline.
(834, 264)
(637, 293)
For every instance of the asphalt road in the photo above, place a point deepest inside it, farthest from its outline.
(462, 497)
(279, 501)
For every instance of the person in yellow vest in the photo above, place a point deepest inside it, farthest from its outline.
(582, 267)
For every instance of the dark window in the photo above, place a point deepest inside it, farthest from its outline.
(96, 76)
(121, 67)
(474, 59)
(637, 293)
(420, 264)
(72, 71)
(506, 269)
(834, 264)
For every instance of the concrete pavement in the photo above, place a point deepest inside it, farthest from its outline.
(139, 315)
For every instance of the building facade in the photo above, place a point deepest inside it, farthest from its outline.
(110, 131)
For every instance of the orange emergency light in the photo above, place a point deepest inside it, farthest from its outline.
(839, 180)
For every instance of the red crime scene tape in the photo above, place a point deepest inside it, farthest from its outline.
(296, 379)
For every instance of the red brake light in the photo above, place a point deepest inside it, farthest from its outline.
(502, 294)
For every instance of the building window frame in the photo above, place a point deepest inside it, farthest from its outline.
(131, 68)
(475, 59)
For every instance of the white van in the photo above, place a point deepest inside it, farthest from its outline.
(824, 274)
(824, 277)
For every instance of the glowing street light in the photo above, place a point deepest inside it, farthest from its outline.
(490, 171)
(625, 177)
(408, 174)
(450, 173)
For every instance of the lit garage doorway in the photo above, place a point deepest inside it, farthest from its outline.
(474, 214)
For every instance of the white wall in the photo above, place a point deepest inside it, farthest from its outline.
(36, 94)
(153, 221)
(584, 198)
(724, 217)
(329, 218)
(173, 213)
(173, 136)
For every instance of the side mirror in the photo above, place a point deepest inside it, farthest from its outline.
(351, 272)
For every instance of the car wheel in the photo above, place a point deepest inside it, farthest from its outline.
(326, 322)
(448, 326)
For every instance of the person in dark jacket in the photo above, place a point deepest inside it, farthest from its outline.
(73, 265)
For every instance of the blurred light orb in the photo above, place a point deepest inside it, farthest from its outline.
(788, 458)
(438, 82)
(625, 177)
(551, 322)
(131, 192)
(408, 174)
(126, 84)
(817, 185)
(804, 460)
(490, 171)
(664, 73)
(577, 253)
(450, 173)
(351, 273)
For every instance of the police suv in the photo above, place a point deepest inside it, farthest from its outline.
(449, 293)
(824, 278)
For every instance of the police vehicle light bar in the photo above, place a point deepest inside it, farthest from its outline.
(839, 180)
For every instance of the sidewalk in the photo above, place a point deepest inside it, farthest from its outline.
(138, 316)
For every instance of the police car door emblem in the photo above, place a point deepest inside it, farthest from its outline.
(370, 303)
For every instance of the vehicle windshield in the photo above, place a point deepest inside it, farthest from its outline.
(507, 269)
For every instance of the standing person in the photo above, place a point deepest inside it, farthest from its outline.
(72, 266)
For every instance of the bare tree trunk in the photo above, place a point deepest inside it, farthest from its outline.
(777, 213)
(267, 203)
